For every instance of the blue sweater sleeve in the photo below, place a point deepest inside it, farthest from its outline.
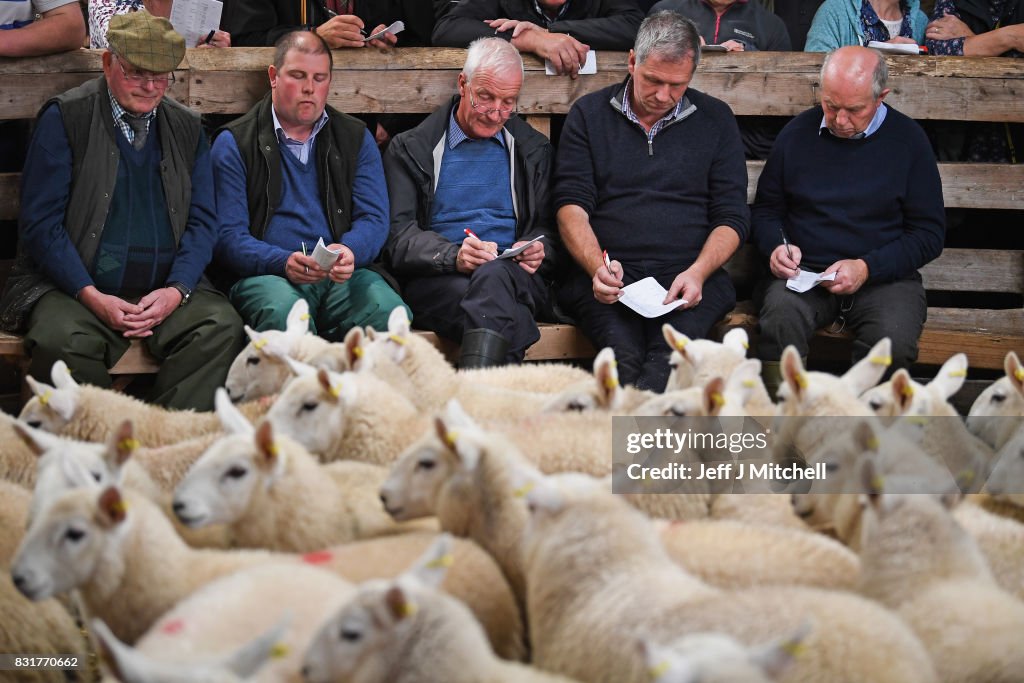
(236, 247)
(370, 208)
(727, 179)
(45, 190)
(196, 246)
(769, 210)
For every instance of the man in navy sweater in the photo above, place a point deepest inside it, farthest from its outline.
(852, 185)
(288, 173)
(117, 224)
(652, 173)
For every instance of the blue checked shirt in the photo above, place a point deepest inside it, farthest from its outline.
(119, 121)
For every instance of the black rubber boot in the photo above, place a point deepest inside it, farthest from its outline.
(482, 348)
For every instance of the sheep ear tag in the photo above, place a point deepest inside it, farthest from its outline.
(113, 508)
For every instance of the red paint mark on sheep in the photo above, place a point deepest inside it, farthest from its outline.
(173, 627)
(318, 557)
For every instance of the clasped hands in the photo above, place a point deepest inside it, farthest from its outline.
(474, 252)
(132, 320)
(301, 269)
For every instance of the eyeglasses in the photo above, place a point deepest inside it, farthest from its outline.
(492, 110)
(137, 78)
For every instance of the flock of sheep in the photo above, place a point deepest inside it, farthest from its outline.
(295, 533)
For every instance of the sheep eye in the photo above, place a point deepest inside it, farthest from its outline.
(35, 424)
(875, 404)
(425, 465)
(252, 360)
(236, 472)
(97, 476)
(350, 635)
(577, 406)
(677, 412)
(74, 535)
(996, 398)
(831, 467)
(308, 406)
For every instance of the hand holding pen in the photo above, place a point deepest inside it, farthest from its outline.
(474, 252)
(784, 261)
(607, 280)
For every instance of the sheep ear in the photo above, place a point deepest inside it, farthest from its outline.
(793, 372)
(270, 457)
(432, 567)
(776, 657)
(902, 390)
(124, 662)
(251, 657)
(253, 335)
(231, 418)
(951, 376)
(676, 340)
(337, 386)
(871, 480)
(298, 368)
(870, 369)
(64, 401)
(121, 446)
(744, 380)
(399, 604)
(865, 436)
(37, 440)
(663, 665)
(355, 349)
(714, 398)
(60, 374)
(398, 322)
(541, 492)
(1015, 371)
(606, 372)
(297, 323)
(737, 340)
(112, 507)
(456, 417)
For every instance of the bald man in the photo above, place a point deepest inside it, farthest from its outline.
(853, 187)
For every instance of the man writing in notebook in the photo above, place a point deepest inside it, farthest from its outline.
(853, 187)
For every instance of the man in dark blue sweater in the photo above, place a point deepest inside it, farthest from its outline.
(852, 185)
(652, 173)
(291, 172)
(117, 224)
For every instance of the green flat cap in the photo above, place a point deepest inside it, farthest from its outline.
(146, 42)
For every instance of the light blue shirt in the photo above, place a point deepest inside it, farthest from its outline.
(299, 149)
(876, 123)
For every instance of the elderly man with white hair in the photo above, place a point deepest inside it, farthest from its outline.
(466, 184)
(851, 190)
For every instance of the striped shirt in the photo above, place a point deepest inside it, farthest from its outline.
(19, 13)
(660, 123)
(119, 121)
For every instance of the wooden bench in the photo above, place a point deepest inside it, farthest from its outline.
(782, 84)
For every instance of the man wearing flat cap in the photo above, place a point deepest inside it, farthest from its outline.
(117, 224)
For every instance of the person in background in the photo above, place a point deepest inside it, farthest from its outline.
(737, 25)
(857, 22)
(561, 31)
(650, 181)
(470, 181)
(797, 15)
(117, 223)
(289, 172)
(58, 28)
(101, 11)
(851, 189)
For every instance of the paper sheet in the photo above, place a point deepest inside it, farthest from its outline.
(394, 29)
(805, 280)
(645, 297)
(509, 253)
(896, 48)
(324, 257)
(588, 67)
(194, 19)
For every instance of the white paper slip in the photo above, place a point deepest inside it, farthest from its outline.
(394, 29)
(509, 253)
(805, 280)
(896, 48)
(588, 67)
(645, 297)
(323, 256)
(194, 19)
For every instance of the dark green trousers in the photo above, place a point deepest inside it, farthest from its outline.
(365, 299)
(195, 346)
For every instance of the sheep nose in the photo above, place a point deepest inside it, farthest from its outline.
(384, 499)
(21, 582)
(178, 507)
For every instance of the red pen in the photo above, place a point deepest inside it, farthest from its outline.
(470, 233)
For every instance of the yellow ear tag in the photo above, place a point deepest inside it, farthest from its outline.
(408, 609)
(907, 390)
(878, 483)
(45, 398)
(445, 561)
(881, 360)
(120, 507)
(357, 351)
(278, 651)
(718, 399)
(398, 340)
(335, 390)
(749, 383)
(746, 346)
(304, 316)
(680, 344)
(451, 437)
(793, 649)
(523, 490)
(611, 382)
(128, 445)
(957, 373)
(801, 380)
(273, 449)
(659, 670)
(873, 443)
(1019, 374)
(966, 477)
(259, 344)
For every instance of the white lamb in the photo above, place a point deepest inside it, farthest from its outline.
(901, 395)
(917, 561)
(996, 414)
(716, 658)
(260, 370)
(407, 631)
(131, 567)
(1006, 481)
(602, 391)
(133, 665)
(91, 413)
(272, 494)
(598, 579)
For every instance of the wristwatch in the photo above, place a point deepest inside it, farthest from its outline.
(186, 293)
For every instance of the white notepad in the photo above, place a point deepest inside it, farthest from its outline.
(645, 297)
(806, 280)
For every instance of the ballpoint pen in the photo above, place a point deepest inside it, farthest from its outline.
(786, 242)
(305, 254)
(209, 37)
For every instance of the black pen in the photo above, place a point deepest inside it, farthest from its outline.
(209, 37)
(786, 242)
